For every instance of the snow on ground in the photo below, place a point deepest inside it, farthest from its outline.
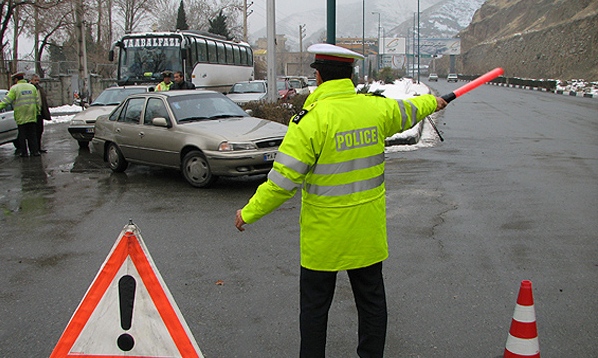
(65, 113)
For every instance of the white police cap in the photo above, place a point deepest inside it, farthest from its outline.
(332, 54)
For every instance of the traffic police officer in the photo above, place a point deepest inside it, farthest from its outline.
(166, 83)
(26, 104)
(334, 151)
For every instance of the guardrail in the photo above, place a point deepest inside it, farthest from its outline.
(531, 84)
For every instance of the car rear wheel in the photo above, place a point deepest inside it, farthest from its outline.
(196, 170)
(116, 159)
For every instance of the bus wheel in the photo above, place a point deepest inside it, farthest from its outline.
(196, 170)
(116, 159)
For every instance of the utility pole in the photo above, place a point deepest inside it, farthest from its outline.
(245, 16)
(271, 32)
(331, 22)
(418, 55)
(81, 49)
(301, 37)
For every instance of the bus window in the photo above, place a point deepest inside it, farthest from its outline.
(249, 56)
(243, 56)
(192, 51)
(202, 53)
(230, 59)
(212, 55)
(221, 52)
(237, 50)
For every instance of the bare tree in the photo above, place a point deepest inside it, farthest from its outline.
(133, 13)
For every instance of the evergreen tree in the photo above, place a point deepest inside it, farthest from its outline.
(181, 19)
(218, 26)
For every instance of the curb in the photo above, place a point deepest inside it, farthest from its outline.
(407, 140)
(541, 89)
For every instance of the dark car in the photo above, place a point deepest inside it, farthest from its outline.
(202, 133)
(81, 126)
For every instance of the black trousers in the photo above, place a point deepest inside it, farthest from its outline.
(317, 291)
(40, 130)
(27, 137)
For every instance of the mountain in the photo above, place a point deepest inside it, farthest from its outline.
(533, 39)
(439, 19)
(442, 20)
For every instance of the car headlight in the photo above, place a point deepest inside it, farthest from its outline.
(78, 122)
(229, 146)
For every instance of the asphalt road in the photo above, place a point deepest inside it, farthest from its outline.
(511, 194)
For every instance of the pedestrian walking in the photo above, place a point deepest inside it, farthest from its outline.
(44, 114)
(334, 151)
(26, 104)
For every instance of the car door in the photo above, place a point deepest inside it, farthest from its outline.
(157, 144)
(127, 129)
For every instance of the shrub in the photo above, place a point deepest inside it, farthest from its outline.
(280, 111)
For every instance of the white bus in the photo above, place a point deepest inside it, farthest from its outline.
(207, 60)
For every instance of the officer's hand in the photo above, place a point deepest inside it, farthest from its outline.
(239, 222)
(440, 103)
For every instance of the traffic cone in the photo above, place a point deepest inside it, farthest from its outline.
(523, 335)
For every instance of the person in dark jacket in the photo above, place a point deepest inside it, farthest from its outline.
(180, 83)
(44, 114)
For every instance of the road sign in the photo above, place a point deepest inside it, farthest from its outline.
(128, 310)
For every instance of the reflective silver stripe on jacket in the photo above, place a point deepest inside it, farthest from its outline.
(292, 163)
(403, 113)
(282, 181)
(21, 102)
(345, 167)
(345, 189)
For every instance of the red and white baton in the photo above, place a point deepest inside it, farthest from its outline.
(489, 76)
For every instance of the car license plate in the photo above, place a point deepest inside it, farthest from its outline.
(268, 157)
(89, 130)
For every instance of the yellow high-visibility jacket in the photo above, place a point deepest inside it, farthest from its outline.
(334, 150)
(162, 86)
(25, 100)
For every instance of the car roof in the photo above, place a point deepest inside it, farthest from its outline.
(129, 86)
(176, 93)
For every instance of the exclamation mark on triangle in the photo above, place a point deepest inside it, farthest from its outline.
(126, 294)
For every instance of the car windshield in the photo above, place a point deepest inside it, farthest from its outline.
(295, 83)
(312, 82)
(113, 96)
(248, 87)
(194, 107)
(281, 85)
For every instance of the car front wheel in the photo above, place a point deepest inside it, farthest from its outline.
(196, 170)
(116, 159)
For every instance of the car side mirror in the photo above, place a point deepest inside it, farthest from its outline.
(160, 122)
(249, 111)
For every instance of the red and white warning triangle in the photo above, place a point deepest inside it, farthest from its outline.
(127, 311)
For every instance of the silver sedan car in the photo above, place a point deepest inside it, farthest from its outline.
(8, 126)
(202, 133)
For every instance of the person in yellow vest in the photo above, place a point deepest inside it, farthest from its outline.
(334, 151)
(26, 103)
(166, 82)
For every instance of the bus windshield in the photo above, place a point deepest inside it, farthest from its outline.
(143, 59)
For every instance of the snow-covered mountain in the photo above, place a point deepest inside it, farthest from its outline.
(438, 19)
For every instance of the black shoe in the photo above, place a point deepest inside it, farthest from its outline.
(43, 151)
(36, 154)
